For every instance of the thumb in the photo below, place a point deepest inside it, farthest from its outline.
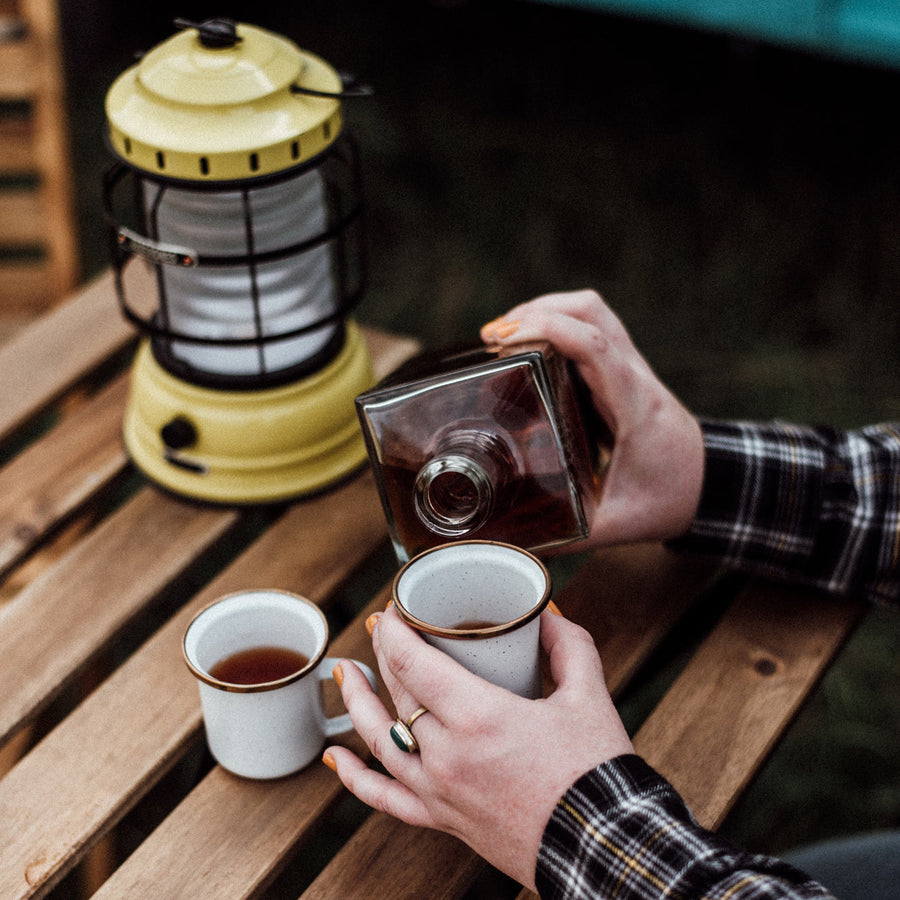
(574, 661)
(581, 690)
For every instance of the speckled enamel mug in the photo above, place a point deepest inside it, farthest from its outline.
(479, 602)
(271, 728)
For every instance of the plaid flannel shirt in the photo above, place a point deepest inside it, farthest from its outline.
(814, 506)
(621, 831)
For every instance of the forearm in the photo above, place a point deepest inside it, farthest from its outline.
(622, 831)
(815, 506)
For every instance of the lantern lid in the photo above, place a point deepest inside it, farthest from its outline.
(219, 101)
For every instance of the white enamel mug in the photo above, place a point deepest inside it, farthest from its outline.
(496, 592)
(273, 728)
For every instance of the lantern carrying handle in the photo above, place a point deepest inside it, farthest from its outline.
(221, 33)
(351, 88)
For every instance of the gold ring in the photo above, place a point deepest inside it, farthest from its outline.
(401, 732)
(415, 715)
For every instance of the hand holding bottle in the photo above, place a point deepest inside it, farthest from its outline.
(655, 474)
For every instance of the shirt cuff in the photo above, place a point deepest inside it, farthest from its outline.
(597, 840)
(761, 503)
(623, 831)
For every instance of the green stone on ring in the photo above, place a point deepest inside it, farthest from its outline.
(403, 737)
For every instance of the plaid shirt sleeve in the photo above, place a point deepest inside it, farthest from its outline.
(622, 831)
(816, 506)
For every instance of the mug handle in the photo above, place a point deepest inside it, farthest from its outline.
(342, 723)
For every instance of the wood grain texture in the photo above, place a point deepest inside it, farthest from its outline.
(709, 734)
(628, 598)
(58, 474)
(18, 70)
(386, 858)
(717, 724)
(21, 218)
(62, 347)
(74, 609)
(41, 211)
(721, 718)
(231, 835)
(65, 794)
(24, 286)
(71, 788)
(16, 135)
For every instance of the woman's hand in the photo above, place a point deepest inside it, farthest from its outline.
(655, 475)
(491, 765)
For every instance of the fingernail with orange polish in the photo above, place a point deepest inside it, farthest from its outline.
(498, 330)
(507, 329)
(371, 622)
(553, 608)
(338, 674)
(328, 759)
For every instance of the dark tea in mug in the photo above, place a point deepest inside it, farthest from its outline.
(258, 665)
(476, 624)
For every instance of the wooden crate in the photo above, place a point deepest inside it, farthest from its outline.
(38, 246)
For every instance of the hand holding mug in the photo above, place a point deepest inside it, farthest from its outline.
(486, 757)
(479, 602)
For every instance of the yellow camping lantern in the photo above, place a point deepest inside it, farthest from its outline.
(236, 188)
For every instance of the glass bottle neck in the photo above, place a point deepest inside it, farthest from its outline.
(455, 491)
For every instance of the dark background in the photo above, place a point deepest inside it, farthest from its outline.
(736, 203)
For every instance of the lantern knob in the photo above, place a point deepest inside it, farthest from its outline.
(215, 34)
(179, 433)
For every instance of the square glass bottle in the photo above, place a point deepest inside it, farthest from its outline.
(484, 444)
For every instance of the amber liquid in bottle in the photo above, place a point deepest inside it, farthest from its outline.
(529, 512)
(500, 455)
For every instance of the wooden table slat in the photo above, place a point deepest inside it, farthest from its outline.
(44, 360)
(152, 539)
(65, 468)
(740, 690)
(60, 472)
(21, 217)
(18, 69)
(709, 734)
(227, 837)
(16, 137)
(25, 287)
(628, 598)
(98, 773)
(387, 858)
(719, 721)
(71, 788)
(42, 486)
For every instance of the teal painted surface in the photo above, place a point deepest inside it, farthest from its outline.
(875, 22)
(862, 30)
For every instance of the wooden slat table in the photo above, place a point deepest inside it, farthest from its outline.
(102, 571)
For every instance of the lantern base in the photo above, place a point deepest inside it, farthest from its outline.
(248, 447)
